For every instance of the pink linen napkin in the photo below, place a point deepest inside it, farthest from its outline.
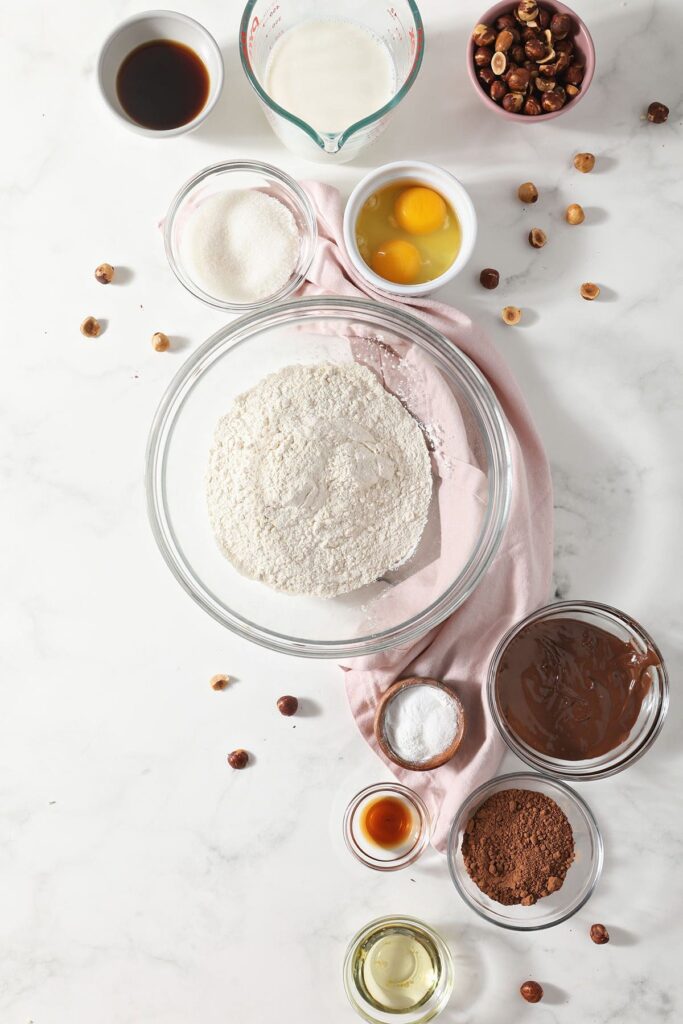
(458, 651)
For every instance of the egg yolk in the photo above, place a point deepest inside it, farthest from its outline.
(397, 261)
(420, 210)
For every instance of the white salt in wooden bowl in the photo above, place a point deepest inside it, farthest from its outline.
(380, 732)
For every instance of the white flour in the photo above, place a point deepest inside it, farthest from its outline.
(319, 480)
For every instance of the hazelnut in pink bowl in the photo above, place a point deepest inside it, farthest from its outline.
(529, 60)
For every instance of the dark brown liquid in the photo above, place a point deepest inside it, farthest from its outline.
(572, 690)
(162, 84)
(388, 821)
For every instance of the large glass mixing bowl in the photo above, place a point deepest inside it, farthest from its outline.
(413, 360)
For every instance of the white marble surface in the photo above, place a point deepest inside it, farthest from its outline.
(141, 881)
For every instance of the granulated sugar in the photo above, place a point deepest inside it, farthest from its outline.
(241, 246)
(420, 722)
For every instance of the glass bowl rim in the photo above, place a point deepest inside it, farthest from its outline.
(309, 236)
(542, 763)
(494, 436)
(511, 779)
(400, 919)
(411, 797)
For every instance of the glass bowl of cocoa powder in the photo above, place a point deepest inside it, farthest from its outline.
(525, 851)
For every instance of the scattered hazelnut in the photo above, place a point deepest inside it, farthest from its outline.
(104, 273)
(288, 706)
(527, 192)
(160, 342)
(657, 113)
(219, 682)
(238, 759)
(489, 278)
(531, 991)
(589, 291)
(91, 327)
(511, 315)
(482, 56)
(498, 63)
(504, 40)
(599, 934)
(483, 35)
(575, 214)
(537, 238)
(497, 91)
(560, 25)
(584, 162)
(532, 107)
(513, 102)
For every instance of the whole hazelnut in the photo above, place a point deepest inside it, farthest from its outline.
(589, 291)
(544, 84)
(506, 21)
(104, 273)
(531, 991)
(91, 327)
(527, 192)
(527, 10)
(537, 238)
(238, 759)
(511, 315)
(219, 682)
(560, 26)
(518, 80)
(160, 342)
(657, 113)
(552, 101)
(483, 35)
(574, 75)
(543, 17)
(517, 53)
(487, 76)
(574, 214)
(482, 56)
(584, 162)
(504, 41)
(497, 91)
(513, 102)
(532, 107)
(572, 91)
(489, 278)
(599, 934)
(564, 46)
(498, 63)
(288, 706)
(562, 62)
(534, 49)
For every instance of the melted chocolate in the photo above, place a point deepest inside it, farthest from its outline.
(572, 690)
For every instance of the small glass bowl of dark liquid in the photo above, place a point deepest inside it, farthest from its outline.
(160, 73)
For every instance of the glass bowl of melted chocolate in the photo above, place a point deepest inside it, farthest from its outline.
(578, 690)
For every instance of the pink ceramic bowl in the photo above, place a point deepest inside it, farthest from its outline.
(583, 47)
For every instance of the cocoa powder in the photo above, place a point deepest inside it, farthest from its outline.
(518, 846)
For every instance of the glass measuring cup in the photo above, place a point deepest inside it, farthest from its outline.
(397, 24)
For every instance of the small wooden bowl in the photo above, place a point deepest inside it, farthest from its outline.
(438, 759)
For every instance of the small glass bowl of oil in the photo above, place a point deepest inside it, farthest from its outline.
(409, 228)
(398, 969)
(387, 826)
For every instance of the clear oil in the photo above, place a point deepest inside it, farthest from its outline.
(397, 968)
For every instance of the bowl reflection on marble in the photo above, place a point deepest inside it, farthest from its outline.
(471, 495)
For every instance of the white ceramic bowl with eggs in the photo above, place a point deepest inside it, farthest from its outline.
(414, 172)
(147, 27)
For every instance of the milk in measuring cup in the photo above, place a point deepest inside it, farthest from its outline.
(330, 74)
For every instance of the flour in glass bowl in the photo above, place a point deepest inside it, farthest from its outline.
(319, 480)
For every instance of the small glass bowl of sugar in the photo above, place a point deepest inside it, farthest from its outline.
(240, 235)
(419, 723)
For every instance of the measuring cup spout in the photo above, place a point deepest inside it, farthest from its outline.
(333, 143)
